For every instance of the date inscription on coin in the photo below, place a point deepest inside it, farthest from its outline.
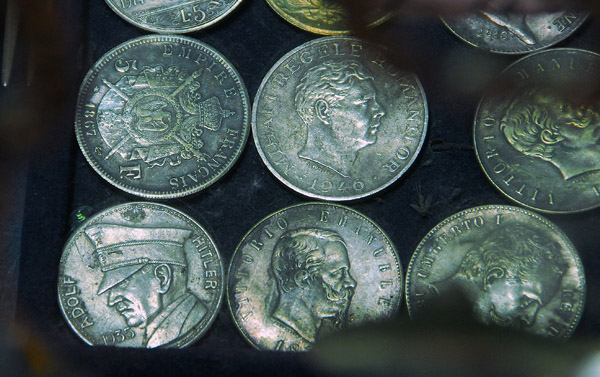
(162, 117)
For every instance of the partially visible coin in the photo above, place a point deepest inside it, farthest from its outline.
(537, 131)
(162, 116)
(334, 119)
(516, 268)
(510, 33)
(140, 275)
(323, 17)
(308, 270)
(172, 16)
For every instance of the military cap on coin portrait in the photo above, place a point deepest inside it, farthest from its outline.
(145, 276)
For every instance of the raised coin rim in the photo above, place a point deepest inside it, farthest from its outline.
(386, 240)
(167, 30)
(309, 194)
(178, 343)
(497, 186)
(516, 52)
(147, 39)
(519, 210)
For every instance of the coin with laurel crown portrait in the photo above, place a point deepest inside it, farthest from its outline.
(162, 116)
(140, 275)
(309, 270)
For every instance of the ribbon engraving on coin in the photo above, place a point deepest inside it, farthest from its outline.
(316, 280)
(513, 271)
(354, 123)
(143, 274)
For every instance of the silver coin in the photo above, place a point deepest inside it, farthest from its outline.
(140, 275)
(516, 268)
(309, 270)
(510, 33)
(162, 116)
(172, 16)
(537, 136)
(335, 120)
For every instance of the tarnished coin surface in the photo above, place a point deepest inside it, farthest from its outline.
(335, 120)
(323, 17)
(308, 270)
(140, 275)
(537, 131)
(172, 16)
(162, 116)
(513, 266)
(510, 33)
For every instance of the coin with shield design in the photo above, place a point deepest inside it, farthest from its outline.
(511, 267)
(335, 119)
(162, 116)
(309, 270)
(140, 275)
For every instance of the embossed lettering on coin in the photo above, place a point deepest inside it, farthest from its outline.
(162, 117)
(539, 140)
(320, 16)
(516, 269)
(173, 16)
(308, 270)
(347, 124)
(140, 275)
(510, 33)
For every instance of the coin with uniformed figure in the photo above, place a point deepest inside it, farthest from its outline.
(172, 16)
(324, 17)
(334, 119)
(515, 268)
(537, 131)
(512, 33)
(162, 116)
(140, 275)
(309, 270)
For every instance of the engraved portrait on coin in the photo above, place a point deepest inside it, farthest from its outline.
(162, 117)
(172, 16)
(310, 270)
(324, 17)
(538, 140)
(505, 32)
(312, 273)
(337, 102)
(542, 124)
(132, 272)
(515, 269)
(348, 122)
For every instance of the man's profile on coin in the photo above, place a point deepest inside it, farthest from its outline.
(337, 102)
(312, 274)
(145, 278)
(509, 276)
(543, 124)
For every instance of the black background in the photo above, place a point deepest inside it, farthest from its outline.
(73, 35)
